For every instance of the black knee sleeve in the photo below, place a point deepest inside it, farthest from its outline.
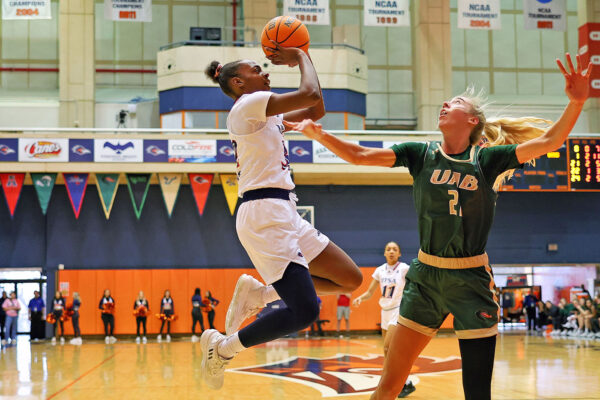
(477, 366)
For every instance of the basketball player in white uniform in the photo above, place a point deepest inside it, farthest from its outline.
(281, 245)
(391, 277)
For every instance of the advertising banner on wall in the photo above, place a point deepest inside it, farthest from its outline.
(310, 12)
(76, 185)
(193, 151)
(322, 155)
(43, 150)
(169, 185)
(386, 13)
(12, 185)
(128, 10)
(26, 9)
(107, 185)
(81, 150)
(480, 14)
(43, 184)
(9, 149)
(545, 14)
(200, 184)
(138, 185)
(230, 188)
(124, 150)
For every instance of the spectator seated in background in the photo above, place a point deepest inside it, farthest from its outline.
(569, 319)
(554, 314)
(544, 317)
(596, 320)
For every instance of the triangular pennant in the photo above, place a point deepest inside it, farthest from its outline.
(201, 184)
(43, 183)
(169, 184)
(138, 185)
(12, 185)
(76, 185)
(107, 185)
(230, 187)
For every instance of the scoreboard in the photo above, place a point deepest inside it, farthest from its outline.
(573, 167)
(584, 164)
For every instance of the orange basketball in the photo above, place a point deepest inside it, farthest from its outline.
(287, 31)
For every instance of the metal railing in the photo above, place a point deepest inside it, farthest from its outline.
(241, 43)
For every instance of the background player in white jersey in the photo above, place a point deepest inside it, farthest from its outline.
(279, 242)
(390, 277)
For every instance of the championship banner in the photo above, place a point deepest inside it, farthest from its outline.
(128, 10)
(76, 185)
(545, 14)
(26, 9)
(310, 12)
(386, 13)
(480, 14)
(107, 185)
(12, 185)
(43, 183)
(169, 185)
(230, 188)
(138, 185)
(200, 184)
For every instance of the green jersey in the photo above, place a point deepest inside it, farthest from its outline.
(453, 194)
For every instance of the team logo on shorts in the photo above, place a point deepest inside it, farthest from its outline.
(345, 374)
(484, 315)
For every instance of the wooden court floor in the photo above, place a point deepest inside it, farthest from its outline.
(527, 367)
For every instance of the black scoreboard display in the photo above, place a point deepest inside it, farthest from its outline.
(548, 174)
(584, 164)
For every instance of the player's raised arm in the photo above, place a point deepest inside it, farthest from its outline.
(350, 152)
(577, 89)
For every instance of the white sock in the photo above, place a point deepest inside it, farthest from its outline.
(230, 346)
(269, 294)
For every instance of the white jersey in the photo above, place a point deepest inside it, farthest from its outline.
(391, 281)
(261, 156)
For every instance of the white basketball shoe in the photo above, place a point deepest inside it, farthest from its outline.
(246, 302)
(213, 365)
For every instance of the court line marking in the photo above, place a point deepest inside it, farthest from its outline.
(80, 377)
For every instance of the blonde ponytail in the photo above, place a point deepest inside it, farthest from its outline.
(502, 130)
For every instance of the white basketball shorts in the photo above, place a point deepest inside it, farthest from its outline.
(274, 234)
(389, 317)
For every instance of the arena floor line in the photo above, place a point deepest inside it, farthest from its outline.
(527, 368)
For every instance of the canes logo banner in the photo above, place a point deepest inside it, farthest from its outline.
(81, 150)
(8, 149)
(344, 374)
(43, 150)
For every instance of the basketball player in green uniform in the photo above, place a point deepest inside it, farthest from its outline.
(455, 183)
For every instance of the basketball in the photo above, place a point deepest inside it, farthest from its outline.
(287, 31)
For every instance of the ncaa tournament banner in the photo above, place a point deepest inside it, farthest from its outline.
(169, 185)
(81, 150)
(481, 14)
(386, 13)
(12, 185)
(192, 151)
(9, 149)
(122, 150)
(322, 155)
(43, 150)
(138, 185)
(310, 12)
(107, 185)
(76, 185)
(545, 14)
(43, 184)
(230, 188)
(200, 184)
(128, 10)
(26, 9)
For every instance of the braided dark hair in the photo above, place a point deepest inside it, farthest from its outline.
(222, 74)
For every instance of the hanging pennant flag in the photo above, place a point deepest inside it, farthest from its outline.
(549, 14)
(128, 10)
(107, 185)
(43, 183)
(479, 14)
(169, 184)
(26, 9)
(76, 185)
(230, 187)
(138, 185)
(386, 13)
(310, 12)
(200, 184)
(12, 185)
